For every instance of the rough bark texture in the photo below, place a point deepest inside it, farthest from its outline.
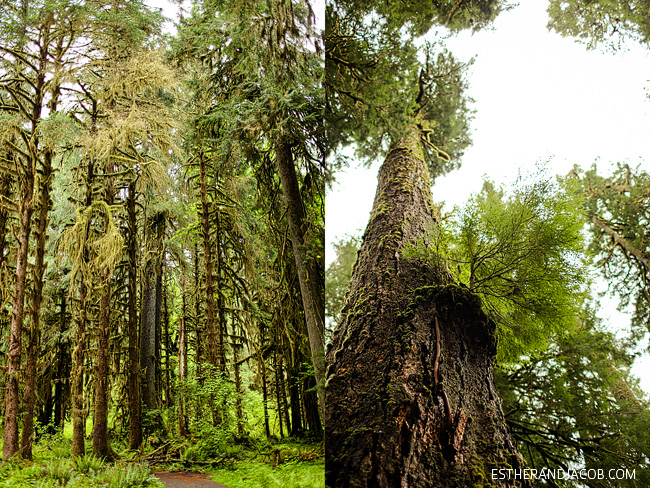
(78, 414)
(135, 409)
(150, 318)
(10, 446)
(27, 435)
(101, 446)
(410, 392)
(210, 323)
(312, 296)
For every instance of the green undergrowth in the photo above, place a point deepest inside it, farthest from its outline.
(53, 467)
(85, 472)
(264, 464)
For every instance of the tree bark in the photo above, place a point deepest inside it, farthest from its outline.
(101, 446)
(62, 380)
(135, 409)
(312, 295)
(182, 358)
(410, 390)
(628, 248)
(210, 323)
(27, 435)
(150, 322)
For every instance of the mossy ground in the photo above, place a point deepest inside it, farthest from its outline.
(286, 464)
(281, 464)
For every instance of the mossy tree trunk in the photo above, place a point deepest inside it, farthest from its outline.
(135, 408)
(410, 391)
(150, 320)
(312, 296)
(34, 331)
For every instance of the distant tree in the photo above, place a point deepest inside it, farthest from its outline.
(576, 402)
(617, 208)
(337, 277)
(601, 22)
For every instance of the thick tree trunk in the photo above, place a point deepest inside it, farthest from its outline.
(294, 400)
(312, 295)
(101, 446)
(239, 393)
(11, 446)
(150, 322)
(410, 391)
(182, 359)
(78, 414)
(133, 380)
(210, 323)
(45, 203)
(62, 380)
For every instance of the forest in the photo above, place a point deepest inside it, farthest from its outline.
(161, 242)
(466, 348)
(164, 299)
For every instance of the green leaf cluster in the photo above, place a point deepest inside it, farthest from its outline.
(617, 207)
(577, 403)
(601, 22)
(521, 252)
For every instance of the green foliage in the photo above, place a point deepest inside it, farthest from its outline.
(577, 403)
(83, 472)
(601, 22)
(379, 84)
(522, 254)
(617, 208)
(58, 471)
(281, 465)
(128, 476)
(88, 464)
(337, 277)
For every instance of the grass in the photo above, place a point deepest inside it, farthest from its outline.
(53, 467)
(286, 464)
(263, 464)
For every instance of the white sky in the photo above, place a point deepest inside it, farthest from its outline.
(537, 95)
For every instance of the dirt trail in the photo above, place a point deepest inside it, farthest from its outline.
(186, 479)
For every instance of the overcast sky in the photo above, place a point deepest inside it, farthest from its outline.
(537, 96)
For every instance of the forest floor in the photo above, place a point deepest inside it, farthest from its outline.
(268, 464)
(186, 479)
(259, 464)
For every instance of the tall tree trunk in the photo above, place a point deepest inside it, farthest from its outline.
(182, 358)
(210, 325)
(26, 208)
(150, 321)
(78, 414)
(62, 381)
(283, 396)
(27, 435)
(168, 394)
(278, 393)
(294, 400)
(133, 379)
(238, 389)
(265, 397)
(101, 446)
(312, 296)
(410, 389)
(10, 446)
